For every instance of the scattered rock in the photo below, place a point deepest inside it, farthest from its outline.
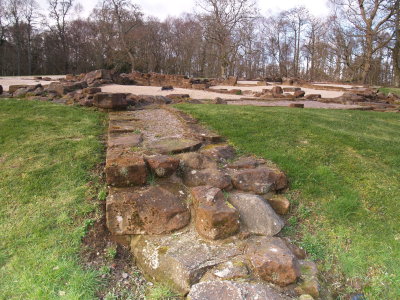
(256, 215)
(1, 89)
(92, 77)
(162, 165)
(314, 97)
(299, 94)
(273, 261)
(124, 168)
(150, 211)
(91, 90)
(178, 97)
(215, 218)
(167, 88)
(20, 92)
(277, 90)
(219, 100)
(291, 89)
(231, 290)
(13, 88)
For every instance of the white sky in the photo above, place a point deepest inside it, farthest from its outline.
(164, 8)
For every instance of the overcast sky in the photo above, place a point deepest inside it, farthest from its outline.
(164, 8)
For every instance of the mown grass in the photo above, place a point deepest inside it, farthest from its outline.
(344, 170)
(47, 154)
(387, 90)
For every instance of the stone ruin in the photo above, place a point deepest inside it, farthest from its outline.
(83, 89)
(199, 218)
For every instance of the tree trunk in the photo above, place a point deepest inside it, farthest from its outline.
(396, 50)
(367, 59)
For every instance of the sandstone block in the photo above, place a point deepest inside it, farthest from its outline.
(215, 218)
(212, 177)
(231, 290)
(110, 101)
(273, 261)
(149, 211)
(280, 204)
(124, 168)
(260, 180)
(162, 165)
(180, 262)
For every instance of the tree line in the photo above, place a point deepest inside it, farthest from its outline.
(358, 42)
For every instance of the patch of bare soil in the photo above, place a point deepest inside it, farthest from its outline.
(121, 279)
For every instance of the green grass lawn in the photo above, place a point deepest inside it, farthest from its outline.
(387, 90)
(47, 154)
(344, 171)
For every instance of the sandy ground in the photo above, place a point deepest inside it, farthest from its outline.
(346, 86)
(307, 104)
(156, 91)
(247, 82)
(6, 81)
(199, 94)
(323, 93)
(149, 90)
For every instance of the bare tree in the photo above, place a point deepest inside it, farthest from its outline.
(59, 10)
(127, 17)
(297, 18)
(222, 19)
(30, 14)
(396, 47)
(370, 21)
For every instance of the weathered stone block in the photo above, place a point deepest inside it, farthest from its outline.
(260, 180)
(196, 161)
(215, 218)
(124, 168)
(110, 101)
(162, 165)
(280, 204)
(180, 261)
(174, 145)
(256, 215)
(146, 211)
(231, 290)
(273, 261)
(212, 177)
